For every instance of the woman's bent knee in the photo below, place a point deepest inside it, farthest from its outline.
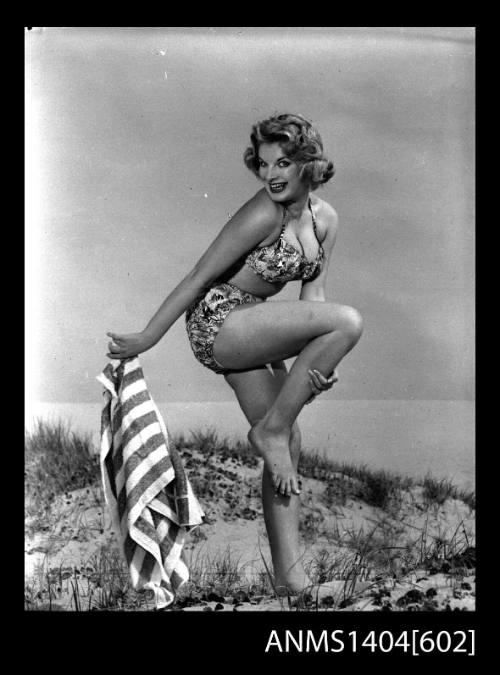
(351, 323)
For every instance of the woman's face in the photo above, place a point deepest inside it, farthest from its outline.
(279, 173)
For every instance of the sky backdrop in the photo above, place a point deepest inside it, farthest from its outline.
(134, 142)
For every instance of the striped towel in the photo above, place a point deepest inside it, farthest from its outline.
(150, 498)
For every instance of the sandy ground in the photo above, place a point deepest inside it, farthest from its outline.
(67, 547)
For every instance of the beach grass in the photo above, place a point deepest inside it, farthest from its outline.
(58, 461)
(378, 487)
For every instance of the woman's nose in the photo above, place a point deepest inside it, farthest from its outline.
(271, 173)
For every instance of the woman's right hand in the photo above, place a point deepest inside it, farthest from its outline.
(124, 346)
(321, 383)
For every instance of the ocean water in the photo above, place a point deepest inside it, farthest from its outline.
(408, 437)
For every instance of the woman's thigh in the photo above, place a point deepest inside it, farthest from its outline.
(256, 334)
(256, 390)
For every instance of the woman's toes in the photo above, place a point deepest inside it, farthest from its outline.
(281, 487)
(286, 487)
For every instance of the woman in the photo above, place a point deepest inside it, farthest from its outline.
(283, 233)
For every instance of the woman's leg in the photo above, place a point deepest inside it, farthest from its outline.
(256, 391)
(320, 334)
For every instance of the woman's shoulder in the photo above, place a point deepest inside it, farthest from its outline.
(326, 216)
(258, 219)
(262, 205)
(262, 211)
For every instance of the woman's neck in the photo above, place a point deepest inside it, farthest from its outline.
(297, 206)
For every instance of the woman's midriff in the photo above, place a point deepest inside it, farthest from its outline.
(249, 282)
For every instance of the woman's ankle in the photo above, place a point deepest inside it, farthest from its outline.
(294, 587)
(274, 424)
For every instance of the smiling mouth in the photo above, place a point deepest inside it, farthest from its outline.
(277, 187)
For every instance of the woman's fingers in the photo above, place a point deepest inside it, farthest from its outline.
(117, 346)
(114, 336)
(321, 383)
(316, 384)
(118, 339)
(117, 351)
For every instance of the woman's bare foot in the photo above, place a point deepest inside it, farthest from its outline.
(335, 590)
(330, 588)
(295, 586)
(274, 447)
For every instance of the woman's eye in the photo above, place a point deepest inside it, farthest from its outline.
(281, 164)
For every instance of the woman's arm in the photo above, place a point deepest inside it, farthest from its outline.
(254, 221)
(315, 289)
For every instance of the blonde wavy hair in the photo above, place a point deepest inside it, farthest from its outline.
(300, 141)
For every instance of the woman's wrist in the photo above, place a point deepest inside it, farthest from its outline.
(149, 338)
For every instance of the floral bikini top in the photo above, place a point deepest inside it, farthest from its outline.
(282, 262)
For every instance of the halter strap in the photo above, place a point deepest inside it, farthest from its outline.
(313, 218)
(280, 238)
(283, 226)
(284, 222)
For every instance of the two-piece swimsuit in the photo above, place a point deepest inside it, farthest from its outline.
(278, 262)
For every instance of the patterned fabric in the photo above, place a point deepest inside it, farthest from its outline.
(281, 262)
(150, 498)
(205, 317)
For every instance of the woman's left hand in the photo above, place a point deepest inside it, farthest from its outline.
(321, 383)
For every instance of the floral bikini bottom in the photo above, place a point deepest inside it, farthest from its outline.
(207, 314)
